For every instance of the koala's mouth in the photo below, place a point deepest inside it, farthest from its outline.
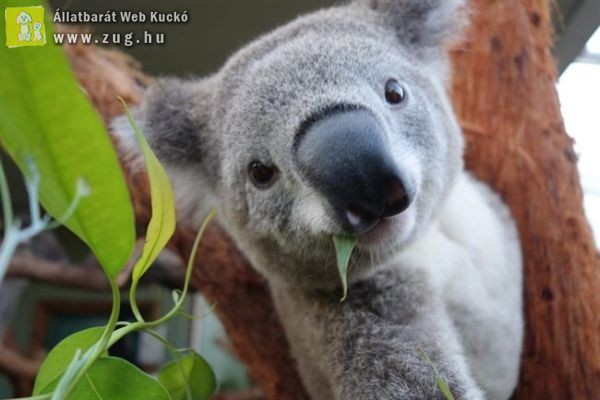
(378, 232)
(388, 230)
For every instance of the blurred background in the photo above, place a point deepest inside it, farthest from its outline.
(36, 312)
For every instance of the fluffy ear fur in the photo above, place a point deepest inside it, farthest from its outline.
(422, 24)
(176, 113)
(175, 118)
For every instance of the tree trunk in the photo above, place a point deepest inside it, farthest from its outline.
(504, 93)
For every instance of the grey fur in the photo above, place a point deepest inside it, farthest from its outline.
(427, 24)
(207, 131)
(369, 350)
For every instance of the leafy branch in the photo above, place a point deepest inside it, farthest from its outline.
(79, 366)
(14, 233)
(78, 180)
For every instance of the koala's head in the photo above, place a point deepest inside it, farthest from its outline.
(337, 123)
(23, 18)
(37, 26)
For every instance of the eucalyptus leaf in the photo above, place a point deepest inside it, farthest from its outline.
(59, 358)
(46, 118)
(343, 250)
(111, 378)
(188, 378)
(162, 223)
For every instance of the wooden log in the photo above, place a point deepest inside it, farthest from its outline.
(504, 93)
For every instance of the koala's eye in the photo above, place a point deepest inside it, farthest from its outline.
(394, 92)
(261, 176)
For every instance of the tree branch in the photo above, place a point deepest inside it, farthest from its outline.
(168, 271)
(63, 274)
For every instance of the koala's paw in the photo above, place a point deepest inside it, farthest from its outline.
(403, 392)
(412, 380)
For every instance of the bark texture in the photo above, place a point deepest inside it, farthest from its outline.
(504, 93)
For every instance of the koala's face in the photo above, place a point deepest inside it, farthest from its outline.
(337, 124)
(333, 129)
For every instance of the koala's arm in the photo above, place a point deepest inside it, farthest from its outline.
(370, 346)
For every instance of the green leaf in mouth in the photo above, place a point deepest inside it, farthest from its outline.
(343, 249)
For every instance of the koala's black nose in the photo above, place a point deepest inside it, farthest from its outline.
(344, 156)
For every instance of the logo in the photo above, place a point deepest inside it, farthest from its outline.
(25, 26)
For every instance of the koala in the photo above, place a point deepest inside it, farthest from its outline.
(339, 123)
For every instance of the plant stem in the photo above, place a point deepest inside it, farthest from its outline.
(139, 325)
(133, 302)
(81, 191)
(32, 184)
(8, 247)
(99, 348)
(173, 352)
(110, 336)
(13, 234)
(39, 397)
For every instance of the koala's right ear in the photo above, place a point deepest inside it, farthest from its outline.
(422, 24)
(175, 119)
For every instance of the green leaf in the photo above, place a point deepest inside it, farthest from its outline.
(47, 118)
(111, 378)
(343, 249)
(189, 378)
(443, 386)
(62, 354)
(439, 379)
(162, 224)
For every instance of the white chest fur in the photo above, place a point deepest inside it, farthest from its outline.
(472, 256)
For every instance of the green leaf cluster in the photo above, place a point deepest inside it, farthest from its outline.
(46, 118)
(48, 122)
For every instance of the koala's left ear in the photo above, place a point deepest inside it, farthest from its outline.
(422, 24)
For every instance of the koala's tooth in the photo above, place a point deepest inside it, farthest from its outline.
(352, 218)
